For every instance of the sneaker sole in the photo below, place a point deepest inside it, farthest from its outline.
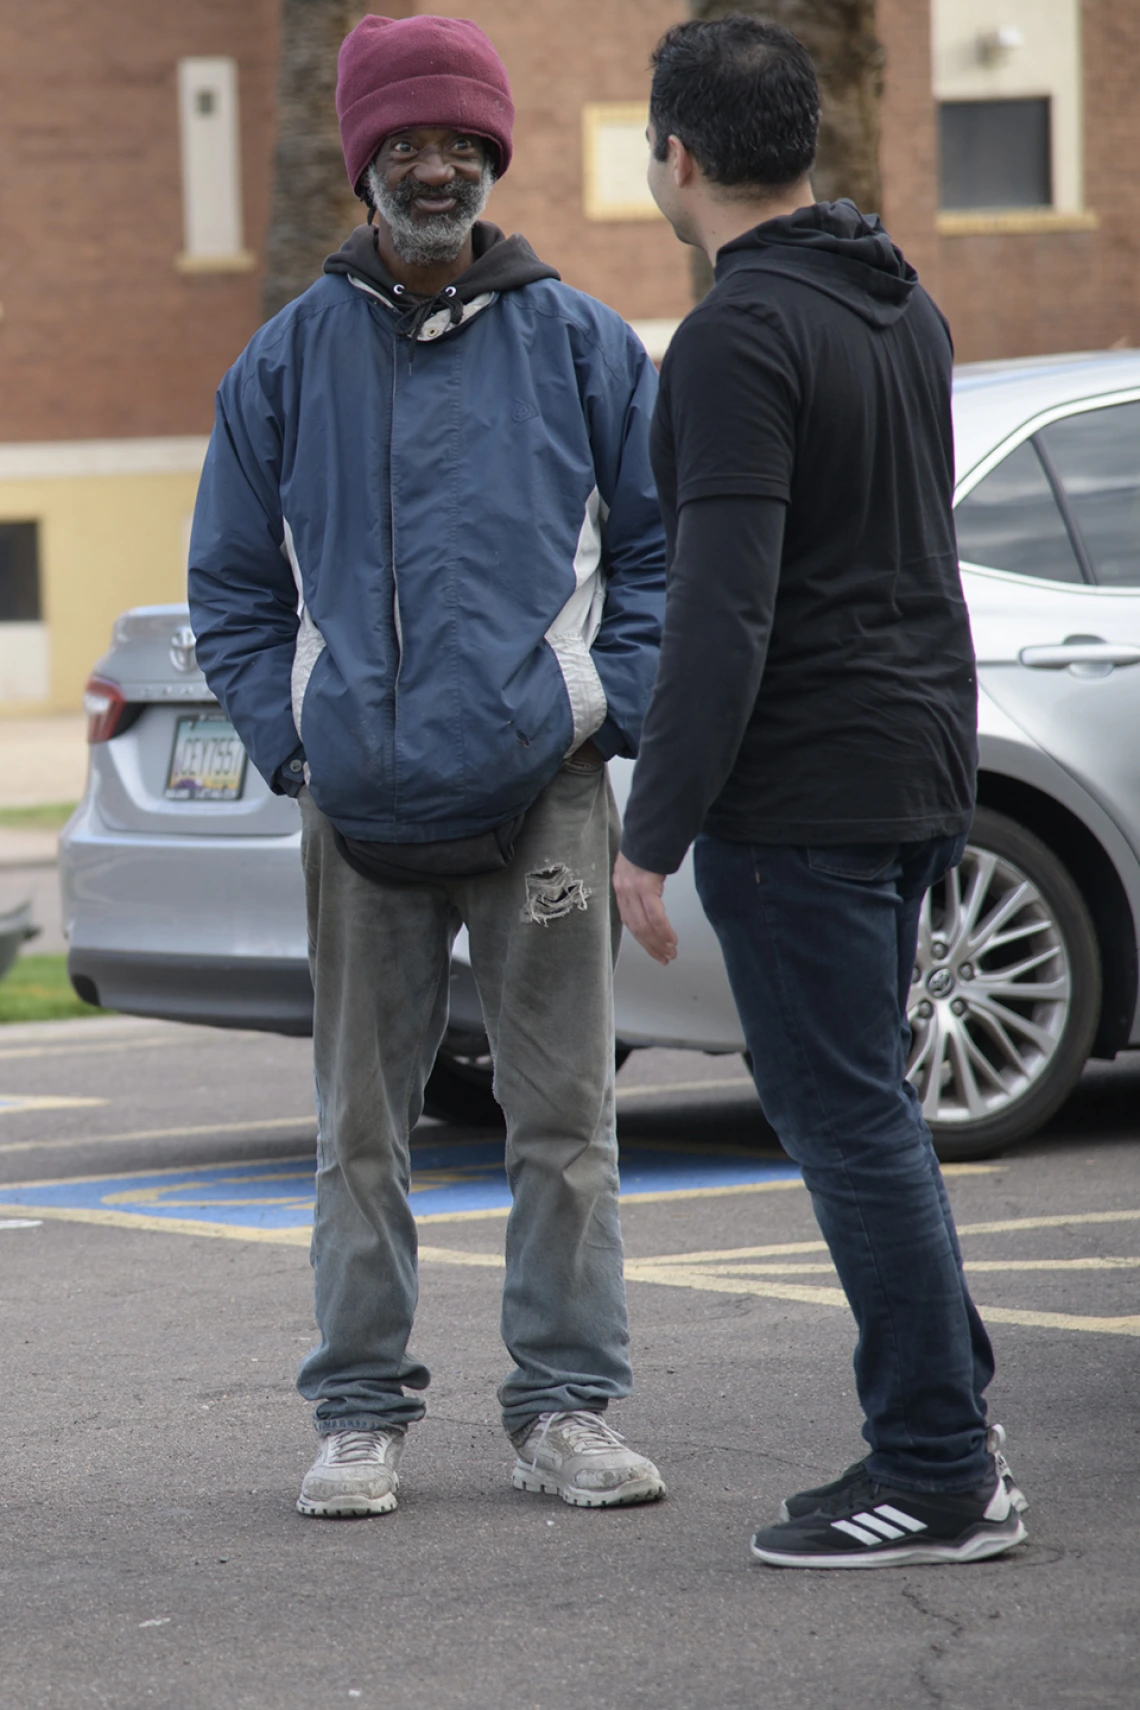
(978, 1546)
(637, 1490)
(346, 1507)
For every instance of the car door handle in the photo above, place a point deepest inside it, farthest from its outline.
(1079, 650)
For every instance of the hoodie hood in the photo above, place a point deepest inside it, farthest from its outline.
(500, 264)
(832, 248)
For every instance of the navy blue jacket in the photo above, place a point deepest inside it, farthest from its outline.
(427, 549)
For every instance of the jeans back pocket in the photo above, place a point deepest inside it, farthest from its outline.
(865, 861)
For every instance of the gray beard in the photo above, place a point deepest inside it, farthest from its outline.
(442, 236)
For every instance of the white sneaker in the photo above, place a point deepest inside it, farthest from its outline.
(354, 1474)
(578, 1457)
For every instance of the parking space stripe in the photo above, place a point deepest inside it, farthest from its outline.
(145, 1043)
(11, 1104)
(713, 1283)
(1008, 1225)
(264, 1125)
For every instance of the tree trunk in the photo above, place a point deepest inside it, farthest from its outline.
(848, 57)
(312, 208)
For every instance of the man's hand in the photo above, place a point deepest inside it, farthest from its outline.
(639, 899)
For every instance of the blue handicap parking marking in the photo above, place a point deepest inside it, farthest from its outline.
(255, 1196)
(449, 1179)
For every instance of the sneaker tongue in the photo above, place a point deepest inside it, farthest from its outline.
(861, 1492)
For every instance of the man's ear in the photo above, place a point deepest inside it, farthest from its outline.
(682, 167)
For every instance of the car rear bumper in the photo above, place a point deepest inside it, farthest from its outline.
(265, 995)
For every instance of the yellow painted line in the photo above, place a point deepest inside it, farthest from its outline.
(144, 1044)
(812, 1296)
(727, 1254)
(736, 1269)
(295, 1237)
(166, 1225)
(705, 1281)
(1105, 1264)
(165, 1170)
(1061, 1321)
(1008, 1225)
(267, 1124)
(11, 1104)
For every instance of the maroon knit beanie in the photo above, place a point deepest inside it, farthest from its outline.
(393, 73)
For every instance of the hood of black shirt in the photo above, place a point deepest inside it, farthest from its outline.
(501, 263)
(832, 248)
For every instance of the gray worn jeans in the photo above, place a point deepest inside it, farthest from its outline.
(379, 955)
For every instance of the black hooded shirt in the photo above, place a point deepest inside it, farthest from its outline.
(817, 682)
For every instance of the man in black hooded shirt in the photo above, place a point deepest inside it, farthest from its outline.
(812, 729)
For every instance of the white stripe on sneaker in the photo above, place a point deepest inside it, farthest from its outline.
(885, 1523)
(899, 1518)
(874, 1524)
(855, 1532)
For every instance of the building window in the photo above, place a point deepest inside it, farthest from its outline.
(211, 167)
(25, 674)
(1008, 83)
(19, 572)
(996, 154)
(615, 155)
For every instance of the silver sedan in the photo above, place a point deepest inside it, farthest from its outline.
(181, 879)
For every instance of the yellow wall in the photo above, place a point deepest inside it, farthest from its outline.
(107, 541)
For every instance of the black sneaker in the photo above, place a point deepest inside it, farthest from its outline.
(811, 1501)
(864, 1524)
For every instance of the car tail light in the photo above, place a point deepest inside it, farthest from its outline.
(106, 707)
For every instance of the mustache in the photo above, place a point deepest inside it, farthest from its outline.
(468, 197)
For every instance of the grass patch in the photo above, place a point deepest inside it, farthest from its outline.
(51, 817)
(36, 988)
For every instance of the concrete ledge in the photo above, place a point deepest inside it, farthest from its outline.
(1001, 221)
(242, 261)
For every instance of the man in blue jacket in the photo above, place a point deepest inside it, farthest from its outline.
(427, 581)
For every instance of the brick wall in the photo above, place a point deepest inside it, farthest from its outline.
(558, 57)
(908, 150)
(100, 335)
(1021, 294)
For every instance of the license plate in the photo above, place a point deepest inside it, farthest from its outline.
(207, 763)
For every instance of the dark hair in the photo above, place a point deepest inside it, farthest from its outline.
(742, 96)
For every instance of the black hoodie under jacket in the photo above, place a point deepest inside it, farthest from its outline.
(817, 682)
(500, 264)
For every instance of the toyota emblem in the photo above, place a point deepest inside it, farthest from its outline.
(182, 655)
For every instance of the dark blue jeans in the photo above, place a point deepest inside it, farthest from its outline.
(819, 944)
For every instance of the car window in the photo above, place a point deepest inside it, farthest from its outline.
(1096, 457)
(1010, 521)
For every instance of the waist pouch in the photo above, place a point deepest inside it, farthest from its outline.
(423, 863)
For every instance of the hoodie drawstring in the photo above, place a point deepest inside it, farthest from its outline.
(412, 321)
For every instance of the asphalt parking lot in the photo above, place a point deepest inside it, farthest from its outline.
(154, 1194)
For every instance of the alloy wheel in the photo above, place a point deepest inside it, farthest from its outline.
(991, 991)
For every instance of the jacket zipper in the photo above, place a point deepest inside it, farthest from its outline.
(398, 626)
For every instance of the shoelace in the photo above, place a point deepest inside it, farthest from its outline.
(587, 1433)
(349, 1447)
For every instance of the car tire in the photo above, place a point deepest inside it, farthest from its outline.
(1006, 992)
(459, 1088)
